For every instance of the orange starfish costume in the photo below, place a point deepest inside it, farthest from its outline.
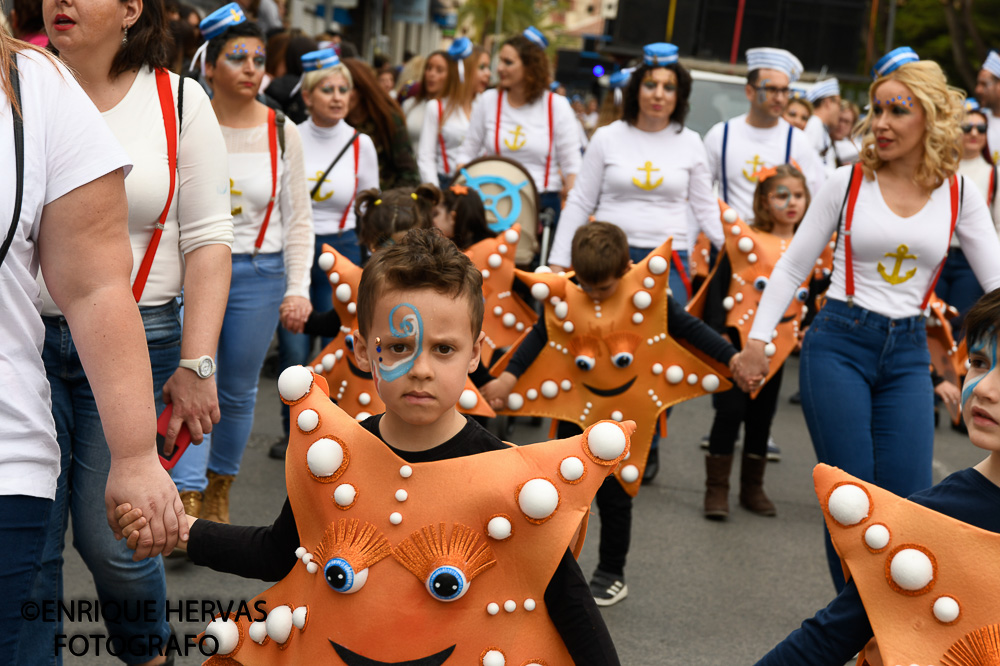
(916, 572)
(421, 564)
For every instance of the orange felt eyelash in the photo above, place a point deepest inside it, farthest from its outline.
(622, 341)
(361, 548)
(428, 548)
(584, 345)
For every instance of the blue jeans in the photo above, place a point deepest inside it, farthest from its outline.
(85, 463)
(255, 294)
(296, 348)
(677, 288)
(958, 286)
(22, 538)
(868, 400)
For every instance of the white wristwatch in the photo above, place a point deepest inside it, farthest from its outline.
(203, 366)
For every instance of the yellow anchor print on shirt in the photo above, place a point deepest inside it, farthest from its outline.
(518, 143)
(756, 164)
(239, 209)
(899, 255)
(318, 196)
(648, 185)
(996, 156)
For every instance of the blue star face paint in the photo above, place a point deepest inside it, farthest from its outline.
(404, 347)
(982, 361)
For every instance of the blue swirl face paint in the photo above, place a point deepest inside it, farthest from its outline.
(985, 347)
(411, 326)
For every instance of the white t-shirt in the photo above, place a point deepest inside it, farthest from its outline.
(456, 126)
(978, 171)
(993, 136)
(60, 155)
(524, 136)
(847, 151)
(290, 229)
(750, 149)
(319, 146)
(885, 248)
(644, 182)
(199, 211)
(820, 138)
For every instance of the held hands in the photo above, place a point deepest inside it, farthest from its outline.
(195, 402)
(496, 391)
(131, 521)
(141, 482)
(294, 312)
(750, 366)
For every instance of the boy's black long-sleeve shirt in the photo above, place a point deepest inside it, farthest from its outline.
(567, 597)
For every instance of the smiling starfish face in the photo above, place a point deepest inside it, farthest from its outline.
(352, 387)
(611, 359)
(421, 564)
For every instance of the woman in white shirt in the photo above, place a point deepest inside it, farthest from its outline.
(521, 119)
(643, 172)
(432, 86)
(866, 392)
(446, 119)
(272, 255)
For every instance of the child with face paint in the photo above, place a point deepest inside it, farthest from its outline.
(838, 632)
(779, 203)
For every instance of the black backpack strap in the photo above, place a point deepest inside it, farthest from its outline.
(279, 120)
(18, 120)
(180, 108)
(840, 216)
(319, 181)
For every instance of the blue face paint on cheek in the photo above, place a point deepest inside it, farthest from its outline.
(411, 326)
(988, 348)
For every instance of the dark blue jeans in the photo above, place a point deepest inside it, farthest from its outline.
(22, 538)
(868, 400)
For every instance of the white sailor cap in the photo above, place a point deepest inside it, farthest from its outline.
(535, 35)
(797, 92)
(221, 19)
(992, 64)
(971, 104)
(824, 89)
(659, 54)
(766, 57)
(893, 60)
(317, 60)
(460, 49)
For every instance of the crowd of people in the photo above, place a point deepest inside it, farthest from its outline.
(183, 223)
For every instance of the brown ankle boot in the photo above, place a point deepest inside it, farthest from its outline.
(192, 499)
(216, 505)
(752, 496)
(717, 486)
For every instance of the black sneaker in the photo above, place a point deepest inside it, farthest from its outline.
(652, 466)
(608, 589)
(703, 442)
(277, 450)
(773, 452)
(795, 398)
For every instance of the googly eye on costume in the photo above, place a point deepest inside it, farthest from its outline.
(445, 563)
(346, 553)
(802, 294)
(447, 583)
(760, 283)
(622, 359)
(342, 578)
(586, 363)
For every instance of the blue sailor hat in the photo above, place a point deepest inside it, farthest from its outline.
(460, 49)
(893, 60)
(824, 89)
(221, 19)
(620, 79)
(535, 35)
(659, 54)
(766, 57)
(971, 104)
(317, 60)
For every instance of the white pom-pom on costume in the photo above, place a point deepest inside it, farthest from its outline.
(752, 258)
(729, 216)
(911, 569)
(710, 383)
(325, 456)
(549, 389)
(532, 394)
(486, 274)
(877, 537)
(468, 400)
(745, 244)
(326, 261)
(617, 416)
(364, 399)
(312, 567)
(361, 416)
(344, 494)
(637, 318)
(395, 517)
(642, 300)
(946, 609)
(225, 632)
(568, 326)
(657, 265)
(308, 420)
(299, 617)
(334, 277)
(279, 623)
(571, 468)
(529, 605)
(566, 385)
(343, 292)
(735, 230)
(849, 504)
(498, 310)
(538, 498)
(494, 658)
(509, 320)
(492, 608)
(562, 309)
(770, 349)
(543, 269)
(511, 236)
(499, 528)
(515, 402)
(257, 631)
(401, 495)
(294, 382)
(675, 374)
(606, 441)
(739, 297)
(501, 248)
(540, 291)
(405, 471)
(692, 379)
(630, 473)
(728, 303)
(494, 261)
(657, 368)
(300, 551)
(328, 361)
(510, 605)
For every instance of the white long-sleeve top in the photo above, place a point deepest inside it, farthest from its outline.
(524, 136)
(199, 211)
(414, 111)
(878, 236)
(750, 149)
(644, 182)
(290, 229)
(822, 143)
(319, 146)
(993, 135)
(455, 127)
(978, 171)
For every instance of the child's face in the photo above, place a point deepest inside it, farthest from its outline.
(601, 291)
(787, 201)
(981, 394)
(427, 351)
(444, 221)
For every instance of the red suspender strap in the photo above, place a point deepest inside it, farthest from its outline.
(444, 153)
(953, 187)
(682, 271)
(548, 156)
(357, 150)
(170, 127)
(496, 134)
(272, 148)
(852, 198)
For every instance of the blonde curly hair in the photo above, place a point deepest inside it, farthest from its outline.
(943, 107)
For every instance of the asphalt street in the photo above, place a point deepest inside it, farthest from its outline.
(701, 592)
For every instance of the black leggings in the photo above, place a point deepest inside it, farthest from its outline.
(614, 506)
(734, 407)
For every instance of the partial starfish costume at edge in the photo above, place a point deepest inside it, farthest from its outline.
(429, 563)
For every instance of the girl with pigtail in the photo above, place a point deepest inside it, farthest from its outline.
(461, 216)
(386, 216)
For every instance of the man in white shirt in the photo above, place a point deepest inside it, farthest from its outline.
(988, 94)
(825, 98)
(740, 147)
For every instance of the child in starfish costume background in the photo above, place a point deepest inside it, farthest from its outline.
(924, 580)
(369, 504)
(606, 344)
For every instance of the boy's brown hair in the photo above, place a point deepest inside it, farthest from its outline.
(983, 319)
(599, 253)
(422, 259)
(762, 218)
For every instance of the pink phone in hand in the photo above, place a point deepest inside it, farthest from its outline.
(180, 446)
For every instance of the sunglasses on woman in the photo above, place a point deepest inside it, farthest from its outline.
(979, 127)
